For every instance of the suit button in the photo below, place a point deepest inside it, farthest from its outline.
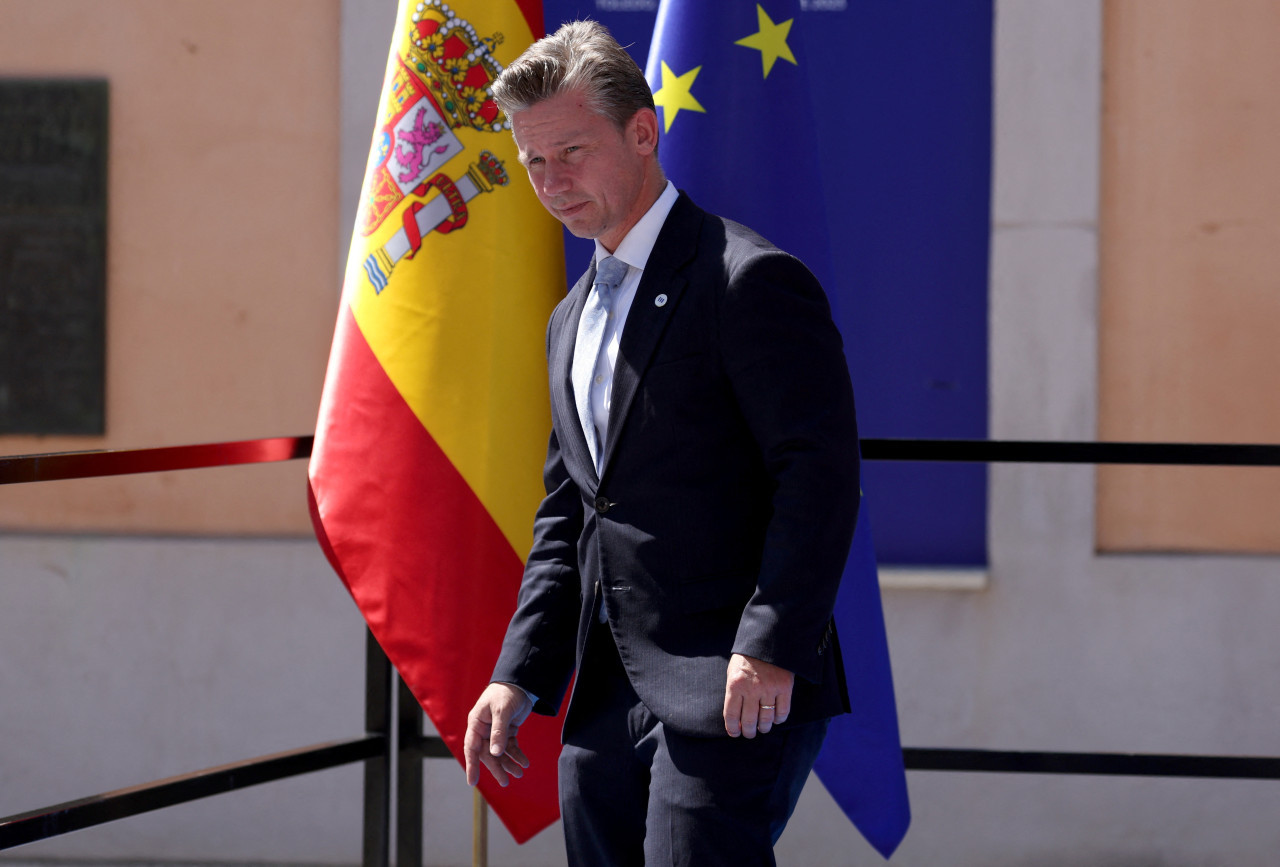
(603, 505)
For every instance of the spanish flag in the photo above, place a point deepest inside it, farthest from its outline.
(426, 470)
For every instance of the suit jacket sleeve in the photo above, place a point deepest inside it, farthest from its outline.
(785, 361)
(538, 651)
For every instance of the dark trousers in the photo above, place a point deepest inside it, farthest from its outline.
(633, 792)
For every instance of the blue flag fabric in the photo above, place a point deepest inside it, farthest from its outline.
(861, 761)
(735, 106)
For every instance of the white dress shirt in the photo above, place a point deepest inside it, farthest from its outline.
(634, 250)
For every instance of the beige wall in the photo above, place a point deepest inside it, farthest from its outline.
(222, 279)
(1190, 267)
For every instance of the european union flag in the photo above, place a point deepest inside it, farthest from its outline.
(732, 84)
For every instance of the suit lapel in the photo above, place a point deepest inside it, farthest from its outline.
(573, 440)
(650, 311)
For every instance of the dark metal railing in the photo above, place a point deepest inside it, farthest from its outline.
(1094, 764)
(394, 746)
(1033, 452)
(122, 803)
(393, 721)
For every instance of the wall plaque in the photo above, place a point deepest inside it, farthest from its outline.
(53, 219)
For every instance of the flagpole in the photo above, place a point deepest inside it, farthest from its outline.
(479, 830)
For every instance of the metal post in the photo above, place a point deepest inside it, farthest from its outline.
(377, 770)
(408, 778)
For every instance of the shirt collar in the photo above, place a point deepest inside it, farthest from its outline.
(638, 243)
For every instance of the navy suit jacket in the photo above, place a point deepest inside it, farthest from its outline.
(723, 514)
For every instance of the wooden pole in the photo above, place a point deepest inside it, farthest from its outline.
(479, 830)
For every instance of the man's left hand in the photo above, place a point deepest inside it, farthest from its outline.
(757, 694)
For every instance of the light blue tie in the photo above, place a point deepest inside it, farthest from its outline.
(586, 352)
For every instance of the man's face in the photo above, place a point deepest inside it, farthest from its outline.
(589, 174)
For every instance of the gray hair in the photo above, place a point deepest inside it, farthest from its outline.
(581, 55)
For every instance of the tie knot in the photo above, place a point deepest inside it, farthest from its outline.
(609, 274)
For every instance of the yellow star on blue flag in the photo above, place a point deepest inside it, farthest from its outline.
(770, 40)
(676, 94)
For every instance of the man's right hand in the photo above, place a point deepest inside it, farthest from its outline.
(491, 734)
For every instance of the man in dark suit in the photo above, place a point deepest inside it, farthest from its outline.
(702, 489)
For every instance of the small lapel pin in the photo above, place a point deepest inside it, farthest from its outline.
(660, 301)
